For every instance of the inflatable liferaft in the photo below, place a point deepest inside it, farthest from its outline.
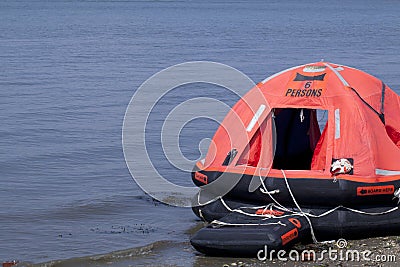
(275, 138)
(310, 153)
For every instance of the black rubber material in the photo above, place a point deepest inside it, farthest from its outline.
(248, 240)
(307, 191)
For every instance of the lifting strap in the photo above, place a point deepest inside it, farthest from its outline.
(380, 114)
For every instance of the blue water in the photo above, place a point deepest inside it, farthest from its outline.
(69, 68)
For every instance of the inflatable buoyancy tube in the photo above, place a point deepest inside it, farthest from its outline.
(223, 206)
(217, 209)
(241, 235)
(239, 228)
(308, 190)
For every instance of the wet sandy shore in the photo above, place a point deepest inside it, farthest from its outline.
(384, 251)
(382, 248)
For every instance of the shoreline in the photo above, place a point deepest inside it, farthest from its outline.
(181, 253)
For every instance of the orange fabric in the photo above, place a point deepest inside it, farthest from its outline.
(300, 174)
(251, 154)
(354, 130)
(319, 157)
(393, 134)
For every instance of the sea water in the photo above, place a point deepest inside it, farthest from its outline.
(68, 70)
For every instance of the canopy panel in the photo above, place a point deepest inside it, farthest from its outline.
(362, 124)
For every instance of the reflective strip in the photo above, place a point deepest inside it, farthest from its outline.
(386, 172)
(337, 123)
(279, 73)
(255, 118)
(314, 68)
(345, 83)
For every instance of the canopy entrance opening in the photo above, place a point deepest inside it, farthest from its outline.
(298, 138)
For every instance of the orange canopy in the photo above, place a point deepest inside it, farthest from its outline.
(363, 120)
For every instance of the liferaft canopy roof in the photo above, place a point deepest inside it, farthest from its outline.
(363, 122)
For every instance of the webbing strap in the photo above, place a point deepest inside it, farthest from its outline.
(380, 115)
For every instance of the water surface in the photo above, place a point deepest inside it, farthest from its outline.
(69, 68)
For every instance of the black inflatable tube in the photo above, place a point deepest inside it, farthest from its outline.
(245, 240)
(308, 191)
(244, 234)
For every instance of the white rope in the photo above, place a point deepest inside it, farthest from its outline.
(372, 213)
(220, 223)
(301, 115)
(246, 213)
(201, 215)
(243, 207)
(277, 205)
(276, 191)
(207, 202)
(304, 214)
(336, 208)
(271, 206)
(265, 191)
(307, 215)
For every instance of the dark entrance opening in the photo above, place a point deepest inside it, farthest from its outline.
(297, 135)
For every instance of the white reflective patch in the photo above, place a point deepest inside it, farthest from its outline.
(279, 73)
(337, 123)
(345, 83)
(339, 68)
(314, 68)
(203, 161)
(255, 118)
(386, 172)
